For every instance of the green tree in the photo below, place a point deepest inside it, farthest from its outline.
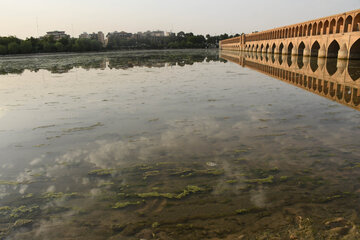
(26, 46)
(59, 46)
(3, 50)
(13, 48)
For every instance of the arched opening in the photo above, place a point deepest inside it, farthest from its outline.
(356, 97)
(319, 28)
(289, 62)
(301, 49)
(332, 26)
(314, 64)
(261, 47)
(290, 47)
(356, 26)
(273, 48)
(300, 31)
(333, 49)
(354, 69)
(286, 33)
(281, 47)
(267, 48)
(315, 49)
(309, 29)
(300, 61)
(331, 65)
(314, 29)
(339, 24)
(257, 47)
(348, 21)
(326, 26)
(296, 31)
(304, 30)
(355, 50)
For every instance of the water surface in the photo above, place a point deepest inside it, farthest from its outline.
(178, 145)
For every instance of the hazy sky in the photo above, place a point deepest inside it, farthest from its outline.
(20, 17)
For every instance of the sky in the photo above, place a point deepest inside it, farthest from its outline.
(25, 18)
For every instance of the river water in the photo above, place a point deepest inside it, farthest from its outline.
(178, 145)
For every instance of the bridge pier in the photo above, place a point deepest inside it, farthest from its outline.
(322, 52)
(343, 52)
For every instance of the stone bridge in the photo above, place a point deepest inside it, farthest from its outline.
(336, 36)
(334, 79)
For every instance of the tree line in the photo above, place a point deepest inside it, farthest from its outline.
(14, 45)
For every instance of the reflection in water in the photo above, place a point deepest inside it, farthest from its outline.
(206, 151)
(332, 81)
(60, 63)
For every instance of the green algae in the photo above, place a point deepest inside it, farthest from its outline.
(125, 204)
(104, 184)
(269, 179)
(242, 211)
(2, 182)
(193, 172)
(150, 174)
(57, 195)
(22, 223)
(231, 181)
(155, 225)
(101, 172)
(188, 190)
(284, 178)
(22, 210)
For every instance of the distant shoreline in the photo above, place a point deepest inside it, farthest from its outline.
(104, 51)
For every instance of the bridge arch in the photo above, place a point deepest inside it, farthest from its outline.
(290, 47)
(355, 50)
(304, 30)
(261, 47)
(273, 48)
(267, 48)
(319, 28)
(314, 29)
(281, 47)
(315, 49)
(297, 31)
(332, 26)
(339, 25)
(301, 48)
(356, 25)
(309, 29)
(348, 22)
(333, 49)
(326, 26)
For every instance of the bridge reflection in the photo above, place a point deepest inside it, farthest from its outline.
(338, 80)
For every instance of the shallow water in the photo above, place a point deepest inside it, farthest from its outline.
(178, 145)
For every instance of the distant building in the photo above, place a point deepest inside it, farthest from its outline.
(84, 35)
(169, 34)
(121, 34)
(95, 36)
(57, 35)
(101, 38)
(158, 33)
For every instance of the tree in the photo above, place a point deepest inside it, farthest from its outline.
(13, 48)
(3, 50)
(26, 46)
(59, 46)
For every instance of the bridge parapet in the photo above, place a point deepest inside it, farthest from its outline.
(334, 36)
